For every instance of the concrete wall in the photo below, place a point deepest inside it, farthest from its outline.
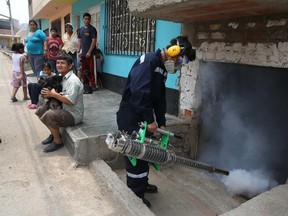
(37, 5)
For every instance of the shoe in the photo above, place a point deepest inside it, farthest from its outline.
(87, 92)
(48, 140)
(14, 99)
(53, 147)
(146, 202)
(26, 98)
(32, 106)
(151, 188)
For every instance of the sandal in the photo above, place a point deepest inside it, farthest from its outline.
(26, 98)
(14, 99)
(32, 106)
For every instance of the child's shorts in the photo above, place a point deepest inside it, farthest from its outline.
(17, 80)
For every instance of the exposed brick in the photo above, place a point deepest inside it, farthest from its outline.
(214, 27)
(187, 114)
(202, 35)
(250, 25)
(279, 35)
(218, 35)
(272, 23)
(233, 25)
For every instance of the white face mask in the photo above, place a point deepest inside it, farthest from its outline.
(170, 66)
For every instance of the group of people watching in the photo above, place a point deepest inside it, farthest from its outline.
(143, 99)
(52, 56)
(80, 45)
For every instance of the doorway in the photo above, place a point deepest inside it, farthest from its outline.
(244, 117)
(57, 24)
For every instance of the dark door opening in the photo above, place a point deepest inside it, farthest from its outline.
(57, 24)
(244, 118)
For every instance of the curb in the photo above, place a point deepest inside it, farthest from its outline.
(104, 176)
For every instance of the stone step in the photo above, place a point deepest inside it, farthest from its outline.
(185, 191)
(129, 204)
(269, 203)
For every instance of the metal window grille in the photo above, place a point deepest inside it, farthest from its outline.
(127, 34)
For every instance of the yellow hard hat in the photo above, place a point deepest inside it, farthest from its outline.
(174, 51)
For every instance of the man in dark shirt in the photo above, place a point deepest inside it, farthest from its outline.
(87, 51)
(144, 99)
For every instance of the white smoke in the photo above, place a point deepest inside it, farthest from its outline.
(243, 125)
(248, 183)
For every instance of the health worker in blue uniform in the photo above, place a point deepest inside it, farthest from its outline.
(144, 99)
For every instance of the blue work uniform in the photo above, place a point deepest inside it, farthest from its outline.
(143, 99)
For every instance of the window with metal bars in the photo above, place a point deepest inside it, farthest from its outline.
(127, 34)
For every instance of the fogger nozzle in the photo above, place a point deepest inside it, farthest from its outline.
(122, 143)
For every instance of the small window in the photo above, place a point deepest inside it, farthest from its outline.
(127, 34)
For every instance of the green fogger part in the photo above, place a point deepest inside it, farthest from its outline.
(138, 146)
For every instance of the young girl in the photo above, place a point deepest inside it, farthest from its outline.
(35, 89)
(19, 76)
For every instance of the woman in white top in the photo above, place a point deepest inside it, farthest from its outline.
(69, 44)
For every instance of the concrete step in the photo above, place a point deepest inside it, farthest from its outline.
(128, 203)
(270, 203)
(185, 191)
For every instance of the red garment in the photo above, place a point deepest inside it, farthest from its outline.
(54, 45)
(88, 64)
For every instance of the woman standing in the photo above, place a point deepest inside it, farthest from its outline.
(36, 44)
(69, 44)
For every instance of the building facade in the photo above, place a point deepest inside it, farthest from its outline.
(119, 51)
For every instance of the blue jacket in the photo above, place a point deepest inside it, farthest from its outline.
(145, 88)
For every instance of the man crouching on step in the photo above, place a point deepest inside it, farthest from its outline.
(72, 102)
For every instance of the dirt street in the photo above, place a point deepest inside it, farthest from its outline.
(33, 182)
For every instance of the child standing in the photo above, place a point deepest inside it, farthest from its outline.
(55, 44)
(18, 74)
(35, 89)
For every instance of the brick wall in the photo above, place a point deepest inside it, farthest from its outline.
(263, 29)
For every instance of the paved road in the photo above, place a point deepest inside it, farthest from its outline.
(33, 182)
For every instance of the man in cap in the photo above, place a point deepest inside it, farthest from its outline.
(70, 46)
(144, 99)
